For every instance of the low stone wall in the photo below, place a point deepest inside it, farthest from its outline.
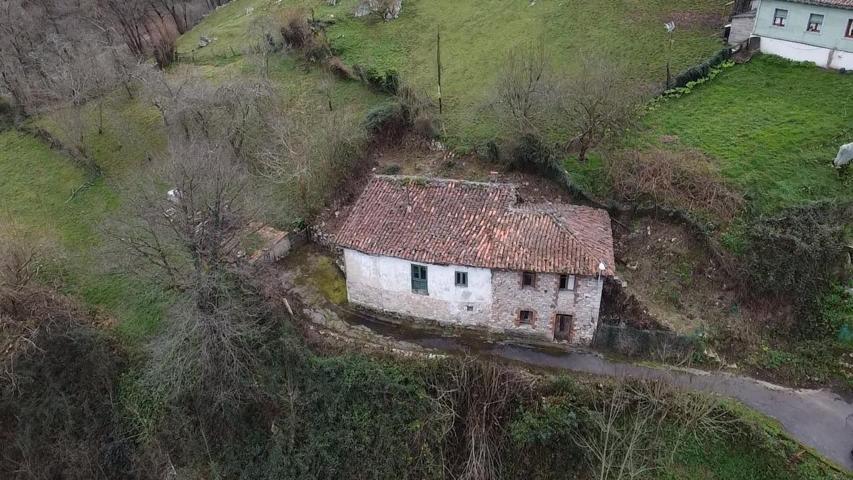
(659, 345)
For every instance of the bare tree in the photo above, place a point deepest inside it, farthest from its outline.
(187, 237)
(184, 231)
(578, 110)
(597, 103)
(624, 437)
(525, 86)
(475, 407)
(312, 159)
(231, 111)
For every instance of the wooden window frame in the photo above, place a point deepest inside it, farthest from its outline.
(464, 276)
(531, 318)
(569, 283)
(781, 20)
(818, 26)
(849, 32)
(416, 282)
(532, 279)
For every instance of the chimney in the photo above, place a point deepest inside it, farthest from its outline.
(493, 177)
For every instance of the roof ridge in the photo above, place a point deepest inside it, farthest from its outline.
(444, 181)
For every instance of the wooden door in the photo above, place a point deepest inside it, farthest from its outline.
(563, 327)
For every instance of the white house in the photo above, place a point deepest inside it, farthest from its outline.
(475, 254)
(818, 31)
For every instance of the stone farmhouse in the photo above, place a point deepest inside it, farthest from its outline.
(818, 31)
(475, 254)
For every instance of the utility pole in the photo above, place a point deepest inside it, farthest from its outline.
(438, 65)
(670, 28)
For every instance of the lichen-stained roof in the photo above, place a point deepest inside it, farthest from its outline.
(454, 222)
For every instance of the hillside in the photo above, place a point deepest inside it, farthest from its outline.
(139, 341)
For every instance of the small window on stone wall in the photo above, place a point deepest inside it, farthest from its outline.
(567, 282)
(461, 279)
(528, 279)
(525, 317)
(469, 308)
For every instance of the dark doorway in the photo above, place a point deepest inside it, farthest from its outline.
(563, 327)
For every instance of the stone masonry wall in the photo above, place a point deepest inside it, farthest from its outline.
(492, 299)
(546, 300)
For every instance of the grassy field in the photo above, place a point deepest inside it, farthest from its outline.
(770, 136)
(476, 37)
(36, 185)
(774, 126)
(36, 182)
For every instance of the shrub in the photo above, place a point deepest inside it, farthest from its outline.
(59, 378)
(797, 253)
(7, 114)
(384, 82)
(340, 69)
(418, 110)
(387, 119)
(165, 47)
(295, 29)
(702, 70)
(686, 180)
(530, 153)
(392, 169)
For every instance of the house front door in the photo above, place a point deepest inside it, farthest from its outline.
(563, 328)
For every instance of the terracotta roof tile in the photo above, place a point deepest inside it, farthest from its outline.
(476, 224)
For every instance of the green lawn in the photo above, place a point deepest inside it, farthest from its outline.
(476, 37)
(774, 126)
(132, 132)
(35, 187)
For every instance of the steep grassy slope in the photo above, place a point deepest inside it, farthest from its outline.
(774, 126)
(36, 187)
(476, 37)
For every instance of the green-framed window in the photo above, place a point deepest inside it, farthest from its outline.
(419, 279)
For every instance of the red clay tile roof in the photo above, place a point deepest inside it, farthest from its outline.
(454, 222)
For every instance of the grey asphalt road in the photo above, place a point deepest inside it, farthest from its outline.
(820, 419)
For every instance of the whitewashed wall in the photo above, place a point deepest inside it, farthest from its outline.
(385, 283)
(800, 52)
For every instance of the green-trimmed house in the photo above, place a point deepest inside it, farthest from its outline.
(819, 31)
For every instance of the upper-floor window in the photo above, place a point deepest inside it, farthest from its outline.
(815, 22)
(849, 32)
(779, 17)
(567, 282)
(419, 279)
(461, 279)
(528, 279)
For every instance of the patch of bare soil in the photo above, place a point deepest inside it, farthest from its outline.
(673, 276)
